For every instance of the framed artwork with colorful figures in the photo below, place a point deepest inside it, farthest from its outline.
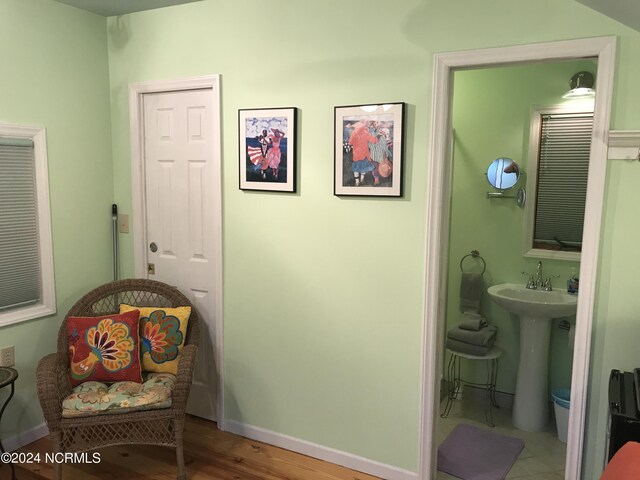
(267, 149)
(369, 150)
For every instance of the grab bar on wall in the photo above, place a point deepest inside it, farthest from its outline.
(474, 254)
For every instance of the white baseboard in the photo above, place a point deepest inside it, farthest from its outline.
(304, 447)
(327, 454)
(24, 438)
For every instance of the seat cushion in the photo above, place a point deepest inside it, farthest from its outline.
(97, 398)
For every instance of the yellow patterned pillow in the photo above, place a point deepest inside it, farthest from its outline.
(162, 335)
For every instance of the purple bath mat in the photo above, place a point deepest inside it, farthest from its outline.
(474, 453)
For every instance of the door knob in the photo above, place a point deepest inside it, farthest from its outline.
(153, 247)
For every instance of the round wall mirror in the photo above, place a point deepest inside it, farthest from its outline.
(503, 173)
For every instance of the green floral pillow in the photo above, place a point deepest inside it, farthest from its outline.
(162, 335)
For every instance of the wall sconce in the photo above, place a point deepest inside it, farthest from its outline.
(581, 86)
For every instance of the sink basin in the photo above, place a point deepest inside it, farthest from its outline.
(535, 308)
(535, 303)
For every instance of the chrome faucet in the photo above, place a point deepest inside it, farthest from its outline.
(547, 283)
(531, 283)
(539, 280)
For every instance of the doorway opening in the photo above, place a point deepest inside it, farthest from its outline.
(438, 228)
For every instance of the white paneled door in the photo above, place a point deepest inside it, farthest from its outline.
(180, 204)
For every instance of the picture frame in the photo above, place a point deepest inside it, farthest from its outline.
(267, 149)
(374, 132)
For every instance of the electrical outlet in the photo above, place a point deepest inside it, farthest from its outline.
(7, 356)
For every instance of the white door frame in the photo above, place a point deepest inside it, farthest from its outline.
(136, 93)
(437, 231)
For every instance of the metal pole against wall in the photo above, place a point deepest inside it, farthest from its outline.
(114, 222)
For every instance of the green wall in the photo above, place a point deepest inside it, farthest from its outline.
(327, 348)
(322, 300)
(55, 75)
(491, 119)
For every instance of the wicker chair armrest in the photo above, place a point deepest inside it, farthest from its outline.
(53, 387)
(184, 377)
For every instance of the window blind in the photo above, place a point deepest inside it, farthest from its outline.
(563, 167)
(20, 282)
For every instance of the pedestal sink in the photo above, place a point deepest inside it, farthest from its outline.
(536, 308)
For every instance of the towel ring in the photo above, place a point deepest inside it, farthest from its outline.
(474, 254)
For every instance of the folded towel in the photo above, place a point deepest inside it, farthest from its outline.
(467, 348)
(472, 321)
(483, 337)
(470, 292)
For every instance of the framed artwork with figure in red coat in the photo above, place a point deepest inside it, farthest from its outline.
(369, 149)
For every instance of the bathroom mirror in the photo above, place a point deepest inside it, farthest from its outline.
(559, 152)
(503, 173)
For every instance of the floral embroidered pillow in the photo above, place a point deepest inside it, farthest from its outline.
(162, 335)
(104, 349)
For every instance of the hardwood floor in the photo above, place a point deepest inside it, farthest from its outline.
(209, 455)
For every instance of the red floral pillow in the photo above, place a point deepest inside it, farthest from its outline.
(104, 349)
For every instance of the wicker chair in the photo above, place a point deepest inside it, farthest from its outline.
(162, 427)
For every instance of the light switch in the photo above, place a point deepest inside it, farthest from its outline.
(123, 223)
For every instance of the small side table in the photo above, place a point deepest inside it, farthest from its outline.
(8, 377)
(455, 381)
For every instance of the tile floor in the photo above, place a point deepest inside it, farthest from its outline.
(542, 458)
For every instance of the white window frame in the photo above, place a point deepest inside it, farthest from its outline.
(532, 183)
(47, 304)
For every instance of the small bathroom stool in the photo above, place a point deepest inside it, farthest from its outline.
(454, 380)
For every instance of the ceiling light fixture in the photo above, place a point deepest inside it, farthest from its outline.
(581, 86)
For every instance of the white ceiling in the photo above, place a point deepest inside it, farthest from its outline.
(109, 8)
(624, 11)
